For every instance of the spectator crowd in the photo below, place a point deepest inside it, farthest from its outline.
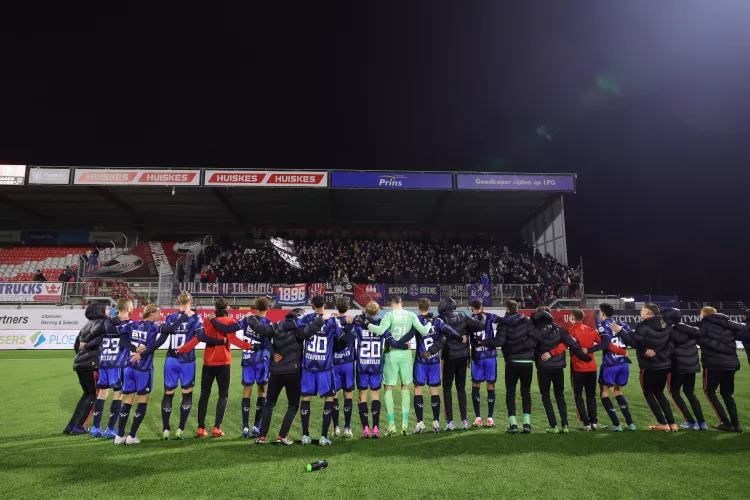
(396, 262)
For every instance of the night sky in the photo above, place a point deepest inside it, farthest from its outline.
(648, 101)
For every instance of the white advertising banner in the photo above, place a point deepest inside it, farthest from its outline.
(136, 177)
(51, 176)
(31, 292)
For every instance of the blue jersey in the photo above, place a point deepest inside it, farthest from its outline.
(608, 357)
(344, 353)
(261, 345)
(424, 342)
(114, 352)
(370, 350)
(478, 349)
(184, 332)
(144, 333)
(318, 349)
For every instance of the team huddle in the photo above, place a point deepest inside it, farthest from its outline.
(321, 354)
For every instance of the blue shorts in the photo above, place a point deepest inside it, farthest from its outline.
(343, 377)
(484, 370)
(110, 378)
(137, 381)
(427, 374)
(255, 374)
(318, 383)
(371, 381)
(614, 375)
(176, 372)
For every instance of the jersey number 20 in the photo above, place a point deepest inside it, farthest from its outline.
(370, 349)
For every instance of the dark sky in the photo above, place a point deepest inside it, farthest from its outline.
(662, 202)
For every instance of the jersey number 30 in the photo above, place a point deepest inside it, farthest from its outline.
(319, 345)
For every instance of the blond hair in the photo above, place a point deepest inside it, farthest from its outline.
(184, 299)
(708, 310)
(372, 308)
(149, 310)
(124, 304)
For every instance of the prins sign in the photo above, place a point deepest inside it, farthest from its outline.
(136, 177)
(268, 178)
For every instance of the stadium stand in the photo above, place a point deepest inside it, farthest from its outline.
(393, 262)
(21, 263)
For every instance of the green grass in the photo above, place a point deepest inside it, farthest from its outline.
(38, 391)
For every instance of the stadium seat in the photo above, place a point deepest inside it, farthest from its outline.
(19, 264)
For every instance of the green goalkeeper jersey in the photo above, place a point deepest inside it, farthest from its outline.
(399, 322)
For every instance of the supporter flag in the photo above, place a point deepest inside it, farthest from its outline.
(291, 295)
(483, 293)
(317, 289)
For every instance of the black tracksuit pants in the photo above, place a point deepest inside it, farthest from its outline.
(222, 374)
(686, 382)
(653, 383)
(724, 381)
(556, 379)
(87, 379)
(585, 381)
(278, 381)
(454, 369)
(515, 371)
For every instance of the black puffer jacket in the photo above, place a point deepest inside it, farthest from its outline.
(685, 357)
(513, 335)
(547, 335)
(287, 341)
(652, 333)
(717, 341)
(462, 324)
(88, 360)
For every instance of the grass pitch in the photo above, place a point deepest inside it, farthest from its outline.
(38, 391)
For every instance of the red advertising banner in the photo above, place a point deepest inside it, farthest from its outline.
(145, 260)
(562, 317)
(136, 177)
(252, 178)
(365, 293)
(274, 315)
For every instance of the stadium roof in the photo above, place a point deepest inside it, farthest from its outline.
(203, 209)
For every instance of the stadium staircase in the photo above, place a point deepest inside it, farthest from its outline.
(110, 289)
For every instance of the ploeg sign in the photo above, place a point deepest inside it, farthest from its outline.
(253, 178)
